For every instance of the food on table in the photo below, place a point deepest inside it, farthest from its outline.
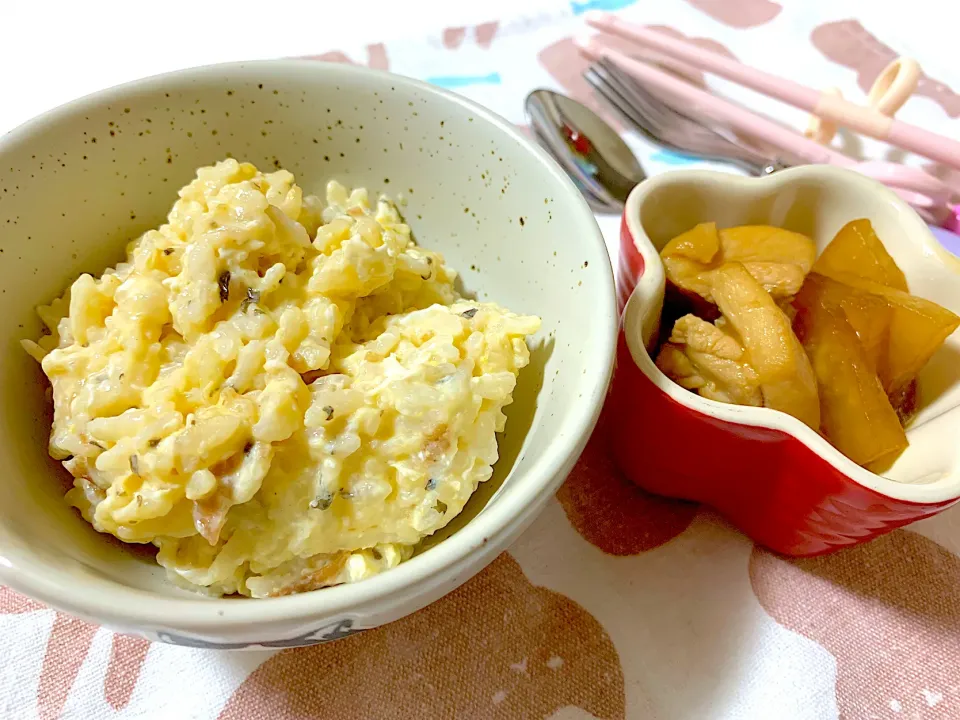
(868, 314)
(776, 258)
(701, 356)
(857, 250)
(856, 415)
(917, 328)
(841, 356)
(786, 378)
(279, 393)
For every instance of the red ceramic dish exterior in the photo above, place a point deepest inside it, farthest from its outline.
(766, 482)
(630, 266)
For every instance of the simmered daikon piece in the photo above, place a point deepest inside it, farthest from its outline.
(918, 328)
(868, 314)
(786, 379)
(856, 250)
(778, 259)
(906, 402)
(855, 414)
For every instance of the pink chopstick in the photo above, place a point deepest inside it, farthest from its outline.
(866, 120)
(924, 192)
(717, 108)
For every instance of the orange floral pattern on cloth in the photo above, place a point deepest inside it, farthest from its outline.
(612, 513)
(497, 647)
(67, 647)
(850, 44)
(888, 611)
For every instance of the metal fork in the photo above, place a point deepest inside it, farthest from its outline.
(671, 128)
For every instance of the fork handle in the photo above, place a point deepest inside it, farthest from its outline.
(794, 144)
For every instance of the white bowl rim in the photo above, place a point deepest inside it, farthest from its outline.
(640, 305)
(132, 608)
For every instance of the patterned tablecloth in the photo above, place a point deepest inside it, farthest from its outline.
(615, 603)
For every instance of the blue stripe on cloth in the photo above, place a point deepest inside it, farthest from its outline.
(579, 8)
(459, 81)
(668, 157)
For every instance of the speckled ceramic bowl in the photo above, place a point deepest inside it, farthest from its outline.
(78, 182)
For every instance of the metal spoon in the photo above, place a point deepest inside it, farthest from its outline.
(592, 153)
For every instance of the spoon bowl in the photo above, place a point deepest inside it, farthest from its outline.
(589, 150)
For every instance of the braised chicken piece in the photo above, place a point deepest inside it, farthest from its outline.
(750, 356)
(786, 378)
(776, 258)
(702, 357)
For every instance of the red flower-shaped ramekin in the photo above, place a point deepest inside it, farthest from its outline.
(773, 477)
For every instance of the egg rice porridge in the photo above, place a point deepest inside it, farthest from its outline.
(279, 393)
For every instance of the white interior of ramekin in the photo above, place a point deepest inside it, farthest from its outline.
(78, 182)
(816, 200)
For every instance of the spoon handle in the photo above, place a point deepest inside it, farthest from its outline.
(866, 120)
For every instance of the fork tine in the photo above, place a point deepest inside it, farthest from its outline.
(628, 113)
(666, 112)
(653, 114)
(659, 122)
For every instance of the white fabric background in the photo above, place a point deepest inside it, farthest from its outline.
(712, 652)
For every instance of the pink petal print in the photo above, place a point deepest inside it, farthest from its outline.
(497, 647)
(888, 611)
(376, 57)
(485, 33)
(565, 64)
(612, 513)
(127, 656)
(706, 43)
(67, 648)
(453, 37)
(739, 14)
(13, 603)
(850, 44)
(331, 56)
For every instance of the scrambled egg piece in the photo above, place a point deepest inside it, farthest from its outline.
(279, 393)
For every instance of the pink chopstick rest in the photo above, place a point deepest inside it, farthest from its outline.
(952, 223)
(892, 88)
(823, 131)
